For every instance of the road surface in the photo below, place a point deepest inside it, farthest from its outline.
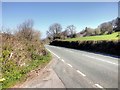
(81, 69)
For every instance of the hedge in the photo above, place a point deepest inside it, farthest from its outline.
(109, 47)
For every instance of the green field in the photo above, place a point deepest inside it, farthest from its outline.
(113, 36)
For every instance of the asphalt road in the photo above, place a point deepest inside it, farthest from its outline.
(81, 69)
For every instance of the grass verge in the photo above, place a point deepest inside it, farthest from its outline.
(113, 36)
(18, 74)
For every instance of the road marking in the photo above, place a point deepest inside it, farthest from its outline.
(62, 60)
(53, 53)
(81, 73)
(57, 56)
(69, 65)
(101, 60)
(98, 86)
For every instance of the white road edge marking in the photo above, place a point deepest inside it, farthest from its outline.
(53, 53)
(69, 65)
(101, 60)
(81, 73)
(98, 86)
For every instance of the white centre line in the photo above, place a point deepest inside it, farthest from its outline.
(57, 56)
(69, 65)
(81, 73)
(101, 60)
(63, 60)
(98, 86)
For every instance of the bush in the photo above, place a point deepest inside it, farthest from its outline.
(22, 52)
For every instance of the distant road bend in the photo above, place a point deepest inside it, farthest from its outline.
(81, 69)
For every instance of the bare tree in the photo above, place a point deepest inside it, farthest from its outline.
(71, 30)
(66, 33)
(110, 27)
(97, 31)
(117, 25)
(106, 27)
(6, 32)
(49, 35)
(54, 31)
(89, 31)
(36, 35)
(25, 30)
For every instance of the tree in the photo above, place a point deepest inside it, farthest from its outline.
(82, 32)
(103, 27)
(36, 35)
(110, 27)
(26, 31)
(106, 28)
(66, 33)
(6, 33)
(54, 31)
(97, 31)
(71, 31)
(117, 25)
(49, 36)
(89, 31)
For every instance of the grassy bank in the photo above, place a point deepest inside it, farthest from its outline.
(113, 36)
(22, 52)
(16, 74)
(103, 43)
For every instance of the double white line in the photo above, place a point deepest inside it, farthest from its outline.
(101, 59)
